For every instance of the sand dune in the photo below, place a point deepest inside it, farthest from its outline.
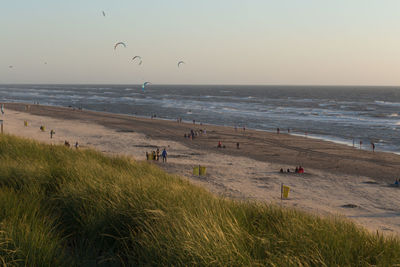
(337, 180)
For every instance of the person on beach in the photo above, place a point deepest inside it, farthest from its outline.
(281, 171)
(66, 143)
(158, 154)
(164, 155)
(296, 170)
(153, 155)
(277, 130)
(237, 145)
(52, 132)
(360, 144)
(301, 170)
(219, 144)
(373, 146)
(76, 145)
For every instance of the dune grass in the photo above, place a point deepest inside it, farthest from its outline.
(61, 207)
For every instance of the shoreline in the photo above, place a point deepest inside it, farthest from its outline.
(294, 132)
(239, 174)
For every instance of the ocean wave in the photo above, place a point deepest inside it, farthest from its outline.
(387, 103)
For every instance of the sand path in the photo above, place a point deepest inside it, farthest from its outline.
(322, 192)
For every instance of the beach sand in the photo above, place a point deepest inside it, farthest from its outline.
(339, 179)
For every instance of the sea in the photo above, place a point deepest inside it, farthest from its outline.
(342, 114)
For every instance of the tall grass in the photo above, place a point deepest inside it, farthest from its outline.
(61, 207)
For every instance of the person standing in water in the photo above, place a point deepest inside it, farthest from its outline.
(164, 155)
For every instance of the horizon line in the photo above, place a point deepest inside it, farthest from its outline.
(209, 84)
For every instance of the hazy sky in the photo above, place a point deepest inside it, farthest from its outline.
(340, 42)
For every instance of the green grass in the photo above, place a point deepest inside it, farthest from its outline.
(61, 207)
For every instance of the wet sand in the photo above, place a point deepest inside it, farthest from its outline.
(339, 179)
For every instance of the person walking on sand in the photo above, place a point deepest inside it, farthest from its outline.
(164, 155)
(52, 132)
(373, 146)
(157, 154)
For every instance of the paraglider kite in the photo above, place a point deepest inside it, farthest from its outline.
(118, 44)
(180, 63)
(144, 85)
(139, 58)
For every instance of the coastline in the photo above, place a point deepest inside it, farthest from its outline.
(335, 174)
(294, 132)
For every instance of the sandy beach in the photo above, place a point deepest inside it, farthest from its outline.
(338, 179)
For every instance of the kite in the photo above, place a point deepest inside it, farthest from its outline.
(118, 44)
(138, 57)
(144, 85)
(104, 14)
(180, 63)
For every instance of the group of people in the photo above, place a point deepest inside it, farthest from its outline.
(155, 155)
(361, 143)
(220, 145)
(243, 128)
(195, 133)
(67, 144)
(52, 133)
(278, 130)
(297, 170)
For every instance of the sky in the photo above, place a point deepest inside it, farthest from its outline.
(254, 42)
